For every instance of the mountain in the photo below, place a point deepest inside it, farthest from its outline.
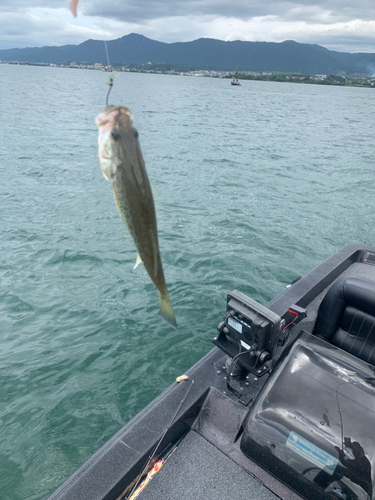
(288, 56)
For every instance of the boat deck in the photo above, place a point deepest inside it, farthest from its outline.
(207, 461)
(197, 470)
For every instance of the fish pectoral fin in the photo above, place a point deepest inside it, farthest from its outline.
(154, 190)
(138, 261)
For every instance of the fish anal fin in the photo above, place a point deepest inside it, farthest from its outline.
(138, 261)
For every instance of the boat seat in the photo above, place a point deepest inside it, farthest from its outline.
(346, 317)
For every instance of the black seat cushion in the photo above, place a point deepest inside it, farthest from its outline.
(346, 317)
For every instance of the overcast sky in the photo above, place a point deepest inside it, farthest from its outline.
(343, 25)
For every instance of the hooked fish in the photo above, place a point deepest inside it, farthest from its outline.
(122, 164)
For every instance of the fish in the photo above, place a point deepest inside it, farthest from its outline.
(122, 164)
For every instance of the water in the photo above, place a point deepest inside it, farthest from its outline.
(258, 184)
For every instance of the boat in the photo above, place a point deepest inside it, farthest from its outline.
(235, 82)
(283, 406)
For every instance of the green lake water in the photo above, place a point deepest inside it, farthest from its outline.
(258, 184)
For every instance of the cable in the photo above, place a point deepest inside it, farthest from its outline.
(234, 360)
(240, 352)
(309, 469)
(295, 319)
(338, 406)
(230, 370)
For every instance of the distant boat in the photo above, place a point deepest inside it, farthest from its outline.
(108, 69)
(235, 82)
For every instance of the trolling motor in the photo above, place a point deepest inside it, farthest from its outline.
(249, 334)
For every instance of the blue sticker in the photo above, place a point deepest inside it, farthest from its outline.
(315, 455)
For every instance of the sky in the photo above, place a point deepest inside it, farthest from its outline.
(342, 25)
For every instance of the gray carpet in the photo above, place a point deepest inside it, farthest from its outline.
(199, 471)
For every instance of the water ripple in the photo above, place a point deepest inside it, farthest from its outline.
(256, 187)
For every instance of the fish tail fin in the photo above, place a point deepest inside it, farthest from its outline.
(166, 310)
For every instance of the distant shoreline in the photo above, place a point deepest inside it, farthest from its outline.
(337, 80)
(356, 80)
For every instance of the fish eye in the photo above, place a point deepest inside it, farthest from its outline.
(136, 134)
(115, 134)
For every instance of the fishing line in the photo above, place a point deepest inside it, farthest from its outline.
(178, 380)
(73, 8)
(105, 41)
(106, 53)
(108, 67)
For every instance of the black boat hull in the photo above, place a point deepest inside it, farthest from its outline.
(211, 411)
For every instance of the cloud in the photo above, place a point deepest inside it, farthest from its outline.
(137, 11)
(144, 10)
(39, 27)
(19, 5)
(342, 25)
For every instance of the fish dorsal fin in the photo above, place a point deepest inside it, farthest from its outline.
(138, 261)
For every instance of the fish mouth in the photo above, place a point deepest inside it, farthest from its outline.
(109, 121)
(108, 167)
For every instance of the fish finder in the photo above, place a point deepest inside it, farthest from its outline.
(249, 332)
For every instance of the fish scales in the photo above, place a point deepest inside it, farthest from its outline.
(122, 164)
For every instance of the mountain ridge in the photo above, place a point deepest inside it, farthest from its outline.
(210, 53)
